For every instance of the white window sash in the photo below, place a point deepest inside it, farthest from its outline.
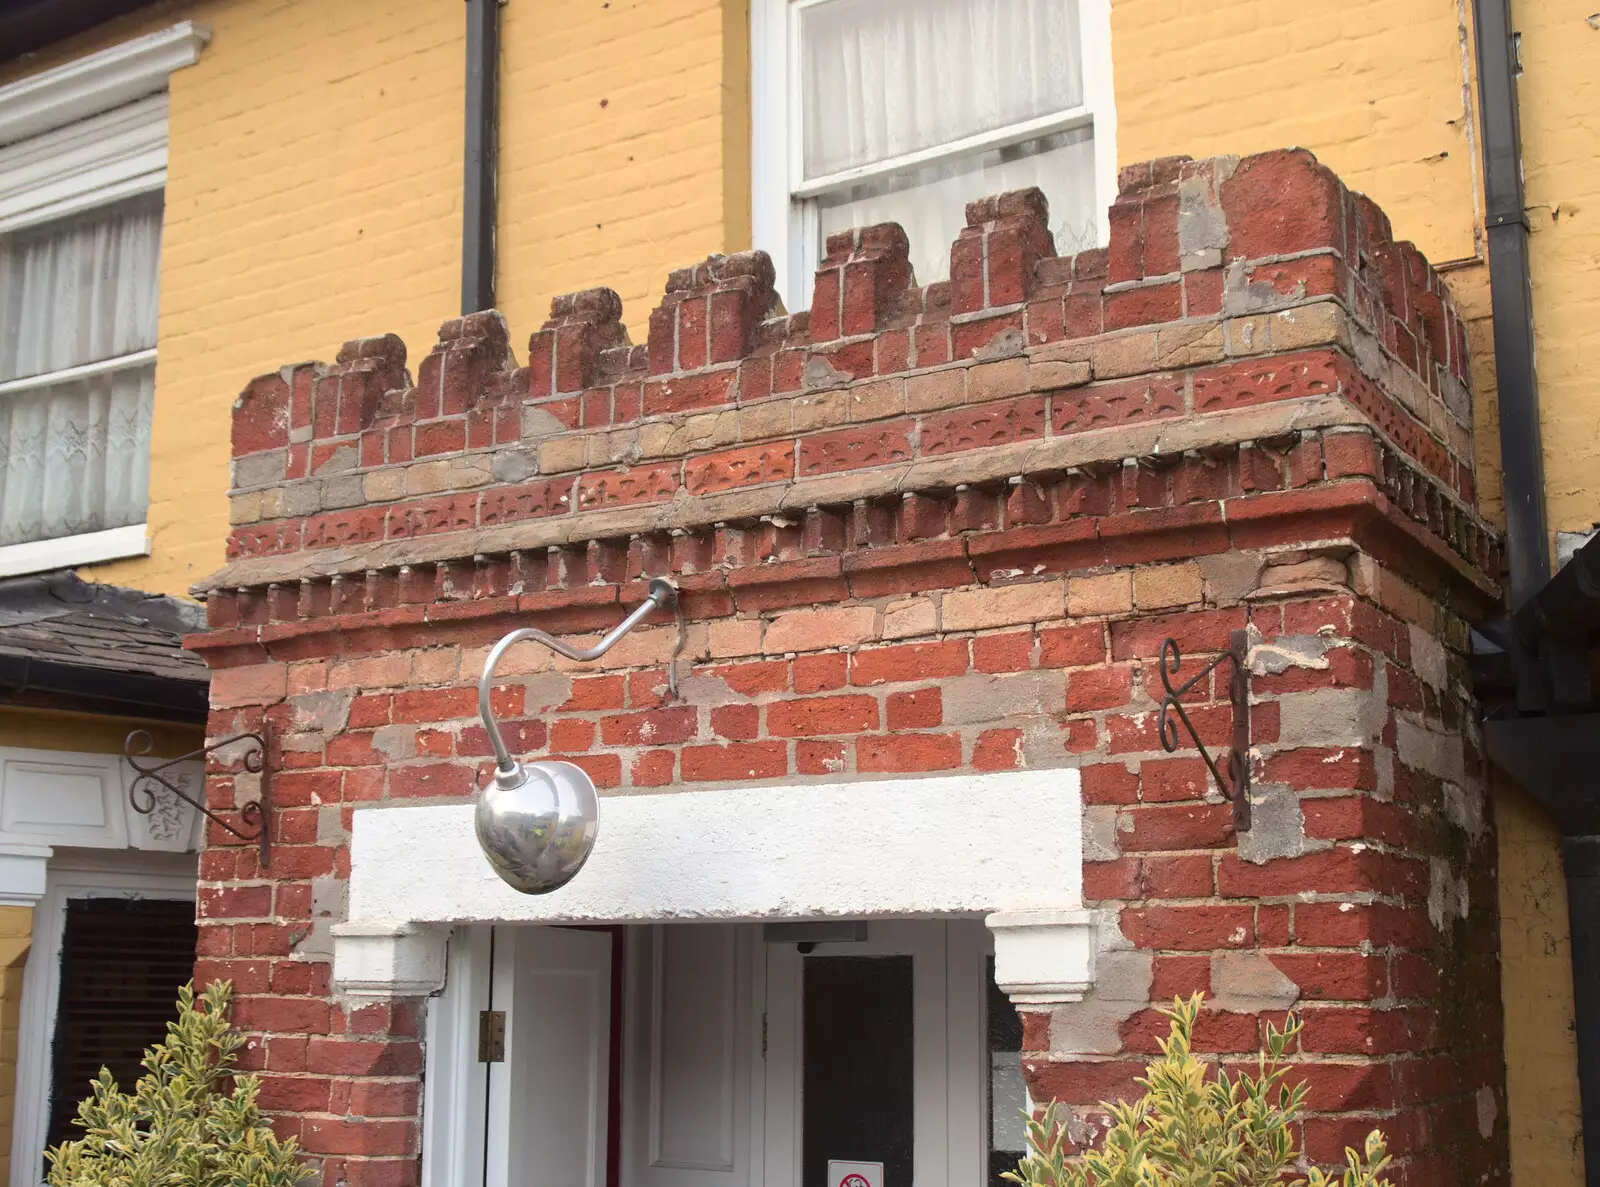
(1046, 125)
(66, 552)
(124, 362)
(784, 216)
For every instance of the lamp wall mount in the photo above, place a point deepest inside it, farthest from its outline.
(1236, 787)
(255, 816)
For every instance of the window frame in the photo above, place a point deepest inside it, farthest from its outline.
(784, 214)
(75, 138)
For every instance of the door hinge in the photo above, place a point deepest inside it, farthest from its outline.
(491, 1036)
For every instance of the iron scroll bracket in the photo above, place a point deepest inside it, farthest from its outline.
(1236, 787)
(255, 816)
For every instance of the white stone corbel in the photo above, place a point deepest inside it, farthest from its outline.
(1043, 957)
(22, 874)
(389, 958)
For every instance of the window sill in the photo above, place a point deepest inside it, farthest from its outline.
(88, 548)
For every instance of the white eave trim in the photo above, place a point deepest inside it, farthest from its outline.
(97, 82)
(65, 552)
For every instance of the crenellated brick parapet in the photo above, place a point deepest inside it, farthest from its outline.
(916, 530)
(1259, 299)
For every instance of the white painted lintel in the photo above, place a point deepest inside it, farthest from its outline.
(1006, 847)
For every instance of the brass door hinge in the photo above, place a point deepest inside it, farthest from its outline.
(491, 1036)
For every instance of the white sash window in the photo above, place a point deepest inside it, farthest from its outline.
(77, 371)
(83, 157)
(869, 111)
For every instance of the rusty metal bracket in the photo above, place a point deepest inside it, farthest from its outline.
(1237, 786)
(255, 816)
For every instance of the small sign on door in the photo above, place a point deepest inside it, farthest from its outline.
(854, 1174)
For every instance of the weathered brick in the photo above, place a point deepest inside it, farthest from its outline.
(910, 661)
(820, 716)
(1106, 593)
(737, 760)
(1008, 605)
(819, 629)
(908, 752)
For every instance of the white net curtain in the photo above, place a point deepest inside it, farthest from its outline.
(883, 78)
(75, 452)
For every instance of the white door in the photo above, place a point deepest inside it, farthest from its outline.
(691, 1035)
(942, 1039)
(549, 1098)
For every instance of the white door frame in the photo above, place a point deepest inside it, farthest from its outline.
(455, 1088)
(951, 1052)
(949, 987)
(72, 875)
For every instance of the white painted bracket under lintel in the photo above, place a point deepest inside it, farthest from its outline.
(389, 958)
(1043, 957)
(22, 874)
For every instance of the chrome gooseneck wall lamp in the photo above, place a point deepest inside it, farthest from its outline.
(537, 821)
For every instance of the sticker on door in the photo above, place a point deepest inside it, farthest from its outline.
(854, 1174)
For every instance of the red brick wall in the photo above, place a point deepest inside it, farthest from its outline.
(931, 529)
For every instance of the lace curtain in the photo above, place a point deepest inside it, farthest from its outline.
(882, 78)
(75, 452)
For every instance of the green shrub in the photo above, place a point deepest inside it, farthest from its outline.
(184, 1124)
(1188, 1130)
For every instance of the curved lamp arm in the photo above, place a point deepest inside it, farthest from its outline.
(661, 595)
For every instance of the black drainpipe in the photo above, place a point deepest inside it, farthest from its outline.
(1541, 666)
(481, 156)
(1511, 299)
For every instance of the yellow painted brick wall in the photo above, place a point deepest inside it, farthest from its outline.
(1559, 89)
(1536, 972)
(313, 195)
(48, 729)
(314, 182)
(16, 929)
(624, 148)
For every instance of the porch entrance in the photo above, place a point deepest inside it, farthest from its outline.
(724, 1055)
